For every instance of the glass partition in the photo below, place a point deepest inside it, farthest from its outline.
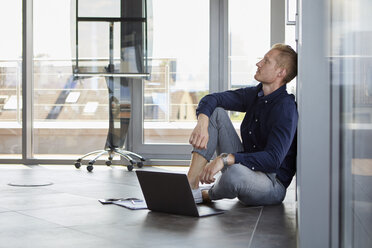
(99, 8)
(352, 76)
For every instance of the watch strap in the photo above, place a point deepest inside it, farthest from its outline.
(224, 158)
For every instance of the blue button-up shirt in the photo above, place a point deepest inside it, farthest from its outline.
(268, 129)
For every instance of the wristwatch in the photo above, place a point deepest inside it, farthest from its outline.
(224, 158)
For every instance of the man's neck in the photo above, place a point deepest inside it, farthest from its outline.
(270, 88)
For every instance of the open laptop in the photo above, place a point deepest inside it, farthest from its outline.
(171, 193)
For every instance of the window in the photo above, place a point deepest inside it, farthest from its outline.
(290, 36)
(70, 114)
(249, 40)
(179, 64)
(11, 80)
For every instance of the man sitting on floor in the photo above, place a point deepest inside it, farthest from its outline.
(259, 168)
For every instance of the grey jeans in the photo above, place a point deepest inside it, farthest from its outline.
(251, 187)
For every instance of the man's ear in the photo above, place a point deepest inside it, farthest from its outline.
(282, 72)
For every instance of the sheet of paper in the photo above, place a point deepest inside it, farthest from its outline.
(131, 204)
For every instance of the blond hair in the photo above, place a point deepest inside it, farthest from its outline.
(287, 58)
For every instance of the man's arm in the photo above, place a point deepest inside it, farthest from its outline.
(211, 169)
(199, 136)
(234, 100)
(278, 143)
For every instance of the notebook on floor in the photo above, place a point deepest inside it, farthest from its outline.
(171, 193)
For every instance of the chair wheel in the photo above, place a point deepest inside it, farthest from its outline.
(140, 164)
(77, 165)
(130, 167)
(108, 162)
(90, 168)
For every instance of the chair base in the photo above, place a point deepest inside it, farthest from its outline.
(127, 155)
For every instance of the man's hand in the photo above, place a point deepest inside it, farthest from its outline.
(199, 136)
(210, 170)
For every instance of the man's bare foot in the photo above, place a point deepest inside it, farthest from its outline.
(197, 165)
(205, 196)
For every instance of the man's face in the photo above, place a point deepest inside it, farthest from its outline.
(267, 70)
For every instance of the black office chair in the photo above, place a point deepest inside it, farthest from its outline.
(119, 113)
(133, 54)
(119, 117)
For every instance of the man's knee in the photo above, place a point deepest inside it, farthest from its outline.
(219, 110)
(232, 177)
(219, 113)
(251, 188)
